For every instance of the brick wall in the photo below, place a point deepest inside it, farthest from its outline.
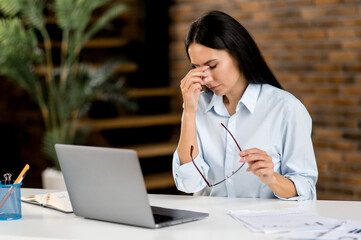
(314, 49)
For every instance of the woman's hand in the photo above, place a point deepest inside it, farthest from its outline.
(191, 86)
(259, 163)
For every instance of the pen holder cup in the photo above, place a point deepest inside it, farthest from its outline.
(10, 201)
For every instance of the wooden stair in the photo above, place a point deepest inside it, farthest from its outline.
(130, 121)
(152, 92)
(159, 180)
(100, 43)
(154, 149)
(121, 68)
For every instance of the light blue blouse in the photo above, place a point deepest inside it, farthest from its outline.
(267, 118)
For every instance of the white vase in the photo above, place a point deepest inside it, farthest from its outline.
(53, 179)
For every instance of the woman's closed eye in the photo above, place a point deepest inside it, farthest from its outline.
(213, 66)
(210, 66)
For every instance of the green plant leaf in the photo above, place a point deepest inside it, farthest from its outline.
(110, 14)
(64, 12)
(18, 54)
(15, 40)
(75, 14)
(33, 13)
(11, 7)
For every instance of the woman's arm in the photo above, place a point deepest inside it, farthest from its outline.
(191, 86)
(188, 137)
(282, 186)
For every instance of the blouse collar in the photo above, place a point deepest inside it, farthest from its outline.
(249, 100)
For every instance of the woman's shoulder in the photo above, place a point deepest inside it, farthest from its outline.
(282, 99)
(271, 93)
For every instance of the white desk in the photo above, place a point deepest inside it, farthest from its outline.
(38, 222)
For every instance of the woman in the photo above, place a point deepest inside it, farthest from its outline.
(262, 125)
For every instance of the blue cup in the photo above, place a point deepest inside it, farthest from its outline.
(10, 197)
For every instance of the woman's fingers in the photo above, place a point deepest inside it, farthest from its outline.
(252, 151)
(259, 163)
(193, 76)
(254, 157)
(191, 86)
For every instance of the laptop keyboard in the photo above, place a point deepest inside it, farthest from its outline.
(162, 218)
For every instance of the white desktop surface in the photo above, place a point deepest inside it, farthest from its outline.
(43, 223)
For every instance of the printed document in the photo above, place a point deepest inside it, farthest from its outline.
(284, 220)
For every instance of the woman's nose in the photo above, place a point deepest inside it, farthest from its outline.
(208, 78)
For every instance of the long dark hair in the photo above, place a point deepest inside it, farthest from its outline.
(218, 30)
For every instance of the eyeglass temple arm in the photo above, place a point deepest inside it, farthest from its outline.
(198, 168)
(236, 144)
(232, 137)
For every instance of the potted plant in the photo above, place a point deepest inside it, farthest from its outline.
(63, 92)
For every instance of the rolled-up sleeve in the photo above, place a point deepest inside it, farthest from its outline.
(186, 176)
(298, 158)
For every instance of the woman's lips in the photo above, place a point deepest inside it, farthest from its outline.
(213, 88)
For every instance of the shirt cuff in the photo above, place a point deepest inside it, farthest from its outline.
(187, 170)
(186, 176)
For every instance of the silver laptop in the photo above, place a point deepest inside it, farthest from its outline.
(107, 184)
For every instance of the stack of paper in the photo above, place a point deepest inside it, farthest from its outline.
(350, 230)
(290, 222)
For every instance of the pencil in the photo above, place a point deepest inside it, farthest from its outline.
(22, 174)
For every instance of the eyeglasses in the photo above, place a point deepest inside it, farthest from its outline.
(227, 177)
